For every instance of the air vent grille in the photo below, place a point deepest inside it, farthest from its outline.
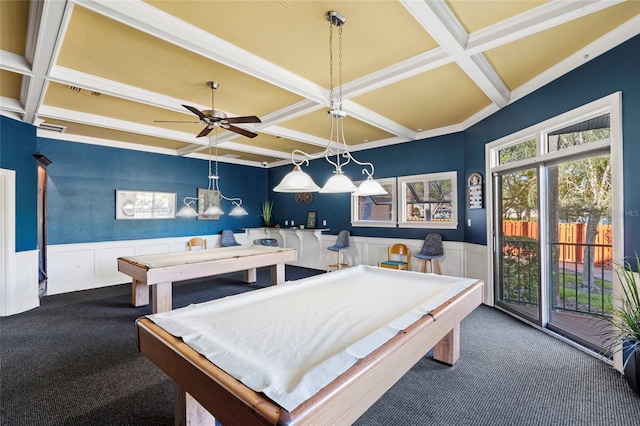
(80, 90)
(52, 127)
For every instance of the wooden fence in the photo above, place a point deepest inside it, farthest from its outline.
(571, 239)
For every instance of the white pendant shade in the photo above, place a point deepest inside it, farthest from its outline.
(213, 210)
(297, 181)
(370, 187)
(238, 211)
(338, 183)
(187, 211)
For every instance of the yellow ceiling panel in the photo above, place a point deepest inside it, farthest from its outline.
(522, 60)
(10, 84)
(14, 17)
(295, 35)
(438, 98)
(102, 47)
(475, 15)
(114, 135)
(318, 124)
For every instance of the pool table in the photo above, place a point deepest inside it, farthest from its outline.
(356, 331)
(159, 271)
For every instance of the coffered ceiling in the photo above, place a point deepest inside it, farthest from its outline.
(104, 72)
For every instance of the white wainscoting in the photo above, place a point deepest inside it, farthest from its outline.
(22, 294)
(82, 266)
(75, 267)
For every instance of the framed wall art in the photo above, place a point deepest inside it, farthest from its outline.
(206, 199)
(311, 220)
(132, 204)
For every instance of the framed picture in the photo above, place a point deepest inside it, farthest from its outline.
(145, 205)
(206, 199)
(311, 220)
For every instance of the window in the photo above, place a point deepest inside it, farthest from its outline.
(428, 201)
(375, 210)
(518, 151)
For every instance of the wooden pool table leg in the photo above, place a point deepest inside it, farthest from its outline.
(250, 275)
(188, 411)
(277, 273)
(447, 350)
(139, 293)
(161, 297)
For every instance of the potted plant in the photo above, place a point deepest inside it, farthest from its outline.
(626, 323)
(267, 211)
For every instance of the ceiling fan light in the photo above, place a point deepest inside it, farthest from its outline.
(297, 181)
(213, 210)
(338, 183)
(238, 211)
(187, 211)
(370, 187)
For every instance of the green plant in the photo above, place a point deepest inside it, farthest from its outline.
(267, 211)
(626, 316)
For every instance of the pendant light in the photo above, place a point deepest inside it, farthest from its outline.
(299, 181)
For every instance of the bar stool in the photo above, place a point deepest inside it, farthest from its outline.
(340, 248)
(431, 251)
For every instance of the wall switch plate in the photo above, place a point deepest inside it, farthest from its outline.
(468, 222)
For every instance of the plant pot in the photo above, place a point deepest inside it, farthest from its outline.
(632, 371)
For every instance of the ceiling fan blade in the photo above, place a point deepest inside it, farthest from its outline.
(239, 131)
(173, 121)
(196, 111)
(205, 132)
(247, 119)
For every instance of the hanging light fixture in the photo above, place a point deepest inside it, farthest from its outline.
(214, 185)
(297, 180)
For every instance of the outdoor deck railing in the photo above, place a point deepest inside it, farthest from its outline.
(575, 289)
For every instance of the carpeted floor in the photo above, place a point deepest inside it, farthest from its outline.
(73, 361)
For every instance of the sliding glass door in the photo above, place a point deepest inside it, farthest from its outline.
(516, 234)
(553, 227)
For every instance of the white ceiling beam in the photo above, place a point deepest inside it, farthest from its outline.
(10, 61)
(114, 124)
(366, 115)
(418, 64)
(437, 19)
(48, 21)
(541, 18)
(10, 104)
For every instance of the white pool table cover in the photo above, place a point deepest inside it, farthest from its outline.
(290, 340)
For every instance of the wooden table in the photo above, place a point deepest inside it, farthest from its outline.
(203, 390)
(159, 271)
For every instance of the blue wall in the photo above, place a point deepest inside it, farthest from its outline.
(440, 154)
(82, 181)
(616, 70)
(17, 146)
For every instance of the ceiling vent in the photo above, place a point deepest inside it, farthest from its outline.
(52, 127)
(80, 90)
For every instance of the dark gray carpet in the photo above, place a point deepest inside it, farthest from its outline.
(73, 361)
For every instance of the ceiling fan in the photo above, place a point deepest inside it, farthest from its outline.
(214, 118)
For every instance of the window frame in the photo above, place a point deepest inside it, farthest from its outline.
(403, 181)
(391, 223)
